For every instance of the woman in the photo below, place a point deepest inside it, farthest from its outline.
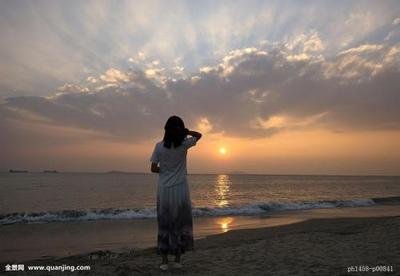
(174, 210)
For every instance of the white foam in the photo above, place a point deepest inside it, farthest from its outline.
(147, 213)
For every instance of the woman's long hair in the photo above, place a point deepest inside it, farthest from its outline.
(175, 132)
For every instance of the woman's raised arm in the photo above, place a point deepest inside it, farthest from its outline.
(194, 134)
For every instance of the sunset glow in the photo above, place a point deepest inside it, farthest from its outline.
(250, 134)
(274, 87)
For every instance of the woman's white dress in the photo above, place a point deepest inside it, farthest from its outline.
(174, 209)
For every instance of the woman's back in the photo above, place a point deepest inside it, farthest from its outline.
(172, 162)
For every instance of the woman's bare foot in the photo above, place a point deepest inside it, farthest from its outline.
(164, 267)
(177, 262)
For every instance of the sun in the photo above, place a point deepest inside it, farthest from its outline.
(222, 150)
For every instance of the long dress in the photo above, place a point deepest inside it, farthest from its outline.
(174, 209)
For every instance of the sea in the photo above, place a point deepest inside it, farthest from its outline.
(27, 198)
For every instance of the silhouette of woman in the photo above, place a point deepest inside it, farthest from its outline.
(174, 210)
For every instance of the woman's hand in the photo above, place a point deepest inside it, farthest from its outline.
(155, 168)
(194, 134)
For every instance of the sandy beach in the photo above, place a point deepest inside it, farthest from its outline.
(251, 137)
(351, 238)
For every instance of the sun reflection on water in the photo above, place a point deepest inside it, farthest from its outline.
(224, 223)
(222, 186)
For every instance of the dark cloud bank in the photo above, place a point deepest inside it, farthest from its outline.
(357, 89)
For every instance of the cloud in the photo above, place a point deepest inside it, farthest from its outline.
(110, 73)
(68, 88)
(252, 92)
(204, 125)
(45, 45)
(306, 43)
(114, 75)
(239, 70)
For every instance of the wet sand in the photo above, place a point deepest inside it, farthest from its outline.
(319, 242)
(21, 242)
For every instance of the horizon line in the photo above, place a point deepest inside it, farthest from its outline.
(197, 173)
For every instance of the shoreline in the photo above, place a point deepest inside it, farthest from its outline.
(23, 242)
(315, 245)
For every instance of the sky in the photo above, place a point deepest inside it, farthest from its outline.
(276, 87)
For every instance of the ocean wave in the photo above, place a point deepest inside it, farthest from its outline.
(146, 213)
